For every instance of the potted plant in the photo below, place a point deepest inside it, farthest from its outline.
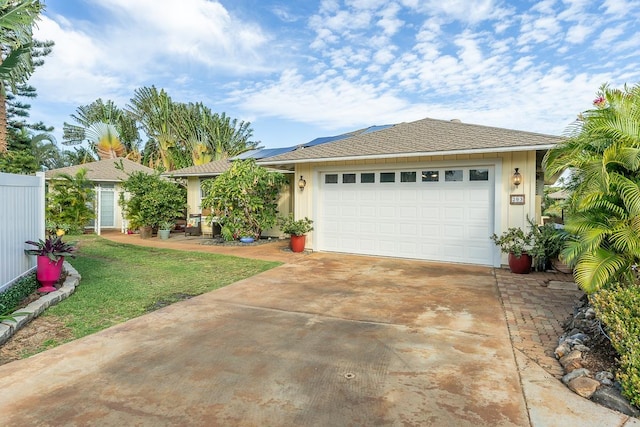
(297, 229)
(516, 243)
(548, 241)
(164, 229)
(50, 258)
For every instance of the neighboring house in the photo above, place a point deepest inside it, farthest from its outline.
(196, 175)
(429, 189)
(106, 178)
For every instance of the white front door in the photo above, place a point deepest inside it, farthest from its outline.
(431, 213)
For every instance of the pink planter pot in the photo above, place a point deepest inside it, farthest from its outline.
(48, 273)
(297, 243)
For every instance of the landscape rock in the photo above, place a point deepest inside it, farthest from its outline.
(573, 355)
(575, 374)
(581, 347)
(583, 386)
(562, 350)
(612, 399)
(573, 365)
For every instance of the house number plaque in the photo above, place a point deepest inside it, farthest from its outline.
(517, 199)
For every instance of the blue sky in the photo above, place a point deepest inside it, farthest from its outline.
(298, 70)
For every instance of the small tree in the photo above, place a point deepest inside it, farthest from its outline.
(70, 201)
(245, 198)
(152, 199)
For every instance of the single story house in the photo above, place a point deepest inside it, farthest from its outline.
(106, 179)
(428, 189)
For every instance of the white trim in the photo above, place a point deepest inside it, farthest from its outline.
(416, 154)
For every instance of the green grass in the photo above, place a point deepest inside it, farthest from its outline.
(120, 282)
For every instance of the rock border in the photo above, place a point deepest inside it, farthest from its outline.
(600, 387)
(9, 327)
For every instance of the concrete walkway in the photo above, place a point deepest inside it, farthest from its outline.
(324, 339)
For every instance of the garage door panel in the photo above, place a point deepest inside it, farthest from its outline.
(387, 212)
(434, 220)
(408, 212)
(451, 213)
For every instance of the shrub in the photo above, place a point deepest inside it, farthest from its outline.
(244, 198)
(70, 202)
(619, 308)
(152, 199)
(12, 297)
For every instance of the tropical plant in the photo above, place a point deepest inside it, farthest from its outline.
(52, 247)
(299, 227)
(603, 153)
(110, 131)
(188, 134)
(70, 201)
(152, 199)
(513, 241)
(166, 225)
(17, 19)
(547, 242)
(244, 198)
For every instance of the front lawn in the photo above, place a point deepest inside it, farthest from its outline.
(120, 281)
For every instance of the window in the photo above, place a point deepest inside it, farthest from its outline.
(387, 177)
(367, 178)
(331, 178)
(205, 186)
(407, 177)
(430, 176)
(453, 175)
(479, 175)
(348, 178)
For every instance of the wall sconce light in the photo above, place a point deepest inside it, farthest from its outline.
(517, 178)
(302, 183)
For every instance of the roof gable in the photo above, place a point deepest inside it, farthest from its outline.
(102, 170)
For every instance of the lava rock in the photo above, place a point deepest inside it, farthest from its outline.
(612, 399)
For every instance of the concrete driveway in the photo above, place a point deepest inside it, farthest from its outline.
(331, 340)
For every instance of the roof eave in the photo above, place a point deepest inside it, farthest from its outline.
(415, 154)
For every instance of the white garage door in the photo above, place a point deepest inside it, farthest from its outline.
(441, 214)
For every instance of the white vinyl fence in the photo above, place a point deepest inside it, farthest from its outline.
(21, 219)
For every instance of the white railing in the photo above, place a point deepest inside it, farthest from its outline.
(21, 219)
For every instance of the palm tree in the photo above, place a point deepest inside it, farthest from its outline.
(17, 19)
(153, 110)
(603, 153)
(102, 124)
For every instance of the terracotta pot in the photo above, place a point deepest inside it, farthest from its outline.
(146, 232)
(297, 243)
(48, 272)
(521, 264)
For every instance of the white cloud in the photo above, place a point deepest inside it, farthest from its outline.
(466, 11)
(579, 33)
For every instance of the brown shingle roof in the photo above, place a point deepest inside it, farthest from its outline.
(208, 169)
(103, 170)
(426, 136)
